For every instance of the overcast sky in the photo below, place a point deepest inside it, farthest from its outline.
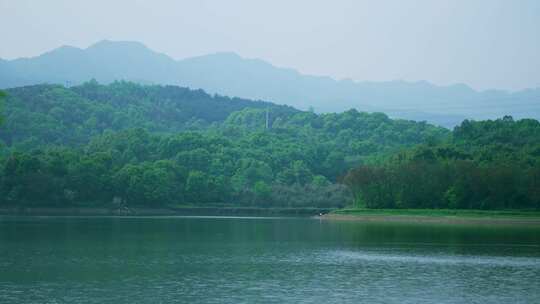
(485, 44)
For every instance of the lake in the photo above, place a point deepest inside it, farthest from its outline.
(263, 260)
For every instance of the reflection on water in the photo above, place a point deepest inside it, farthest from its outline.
(263, 260)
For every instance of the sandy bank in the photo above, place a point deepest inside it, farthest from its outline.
(483, 220)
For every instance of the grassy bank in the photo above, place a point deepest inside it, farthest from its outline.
(439, 212)
(438, 216)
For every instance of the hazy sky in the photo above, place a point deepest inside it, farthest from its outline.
(485, 44)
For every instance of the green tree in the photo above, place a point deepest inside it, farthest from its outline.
(2, 96)
(262, 193)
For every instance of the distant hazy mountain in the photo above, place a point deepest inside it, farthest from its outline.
(230, 74)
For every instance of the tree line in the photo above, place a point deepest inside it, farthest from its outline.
(137, 145)
(492, 164)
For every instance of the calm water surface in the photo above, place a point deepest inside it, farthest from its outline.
(263, 260)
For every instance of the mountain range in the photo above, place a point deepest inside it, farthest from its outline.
(230, 74)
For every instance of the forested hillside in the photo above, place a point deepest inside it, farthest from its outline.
(129, 144)
(492, 164)
(54, 114)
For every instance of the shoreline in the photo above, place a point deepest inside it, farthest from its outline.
(164, 211)
(419, 216)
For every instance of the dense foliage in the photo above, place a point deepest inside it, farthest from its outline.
(53, 114)
(127, 144)
(491, 164)
(2, 96)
